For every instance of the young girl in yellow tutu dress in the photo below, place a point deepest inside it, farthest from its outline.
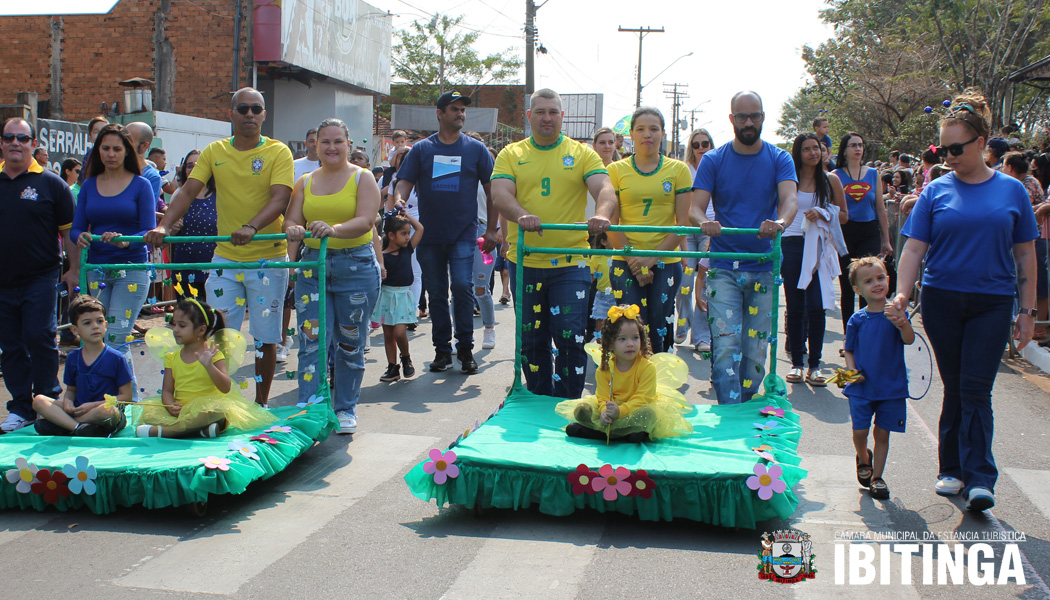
(636, 398)
(199, 397)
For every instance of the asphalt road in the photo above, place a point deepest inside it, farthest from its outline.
(340, 522)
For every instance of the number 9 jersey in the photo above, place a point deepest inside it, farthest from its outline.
(551, 183)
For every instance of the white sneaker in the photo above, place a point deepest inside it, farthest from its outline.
(282, 353)
(679, 338)
(368, 344)
(702, 347)
(13, 422)
(980, 499)
(948, 486)
(347, 422)
(489, 340)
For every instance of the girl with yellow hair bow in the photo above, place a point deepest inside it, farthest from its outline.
(628, 403)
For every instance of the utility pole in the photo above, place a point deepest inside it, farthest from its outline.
(530, 47)
(641, 31)
(676, 96)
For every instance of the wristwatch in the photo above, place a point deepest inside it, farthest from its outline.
(1031, 312)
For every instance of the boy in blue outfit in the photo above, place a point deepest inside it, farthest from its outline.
(92, 372)
(875, 339)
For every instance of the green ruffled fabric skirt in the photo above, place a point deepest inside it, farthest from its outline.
(155, 472)
(521, 458)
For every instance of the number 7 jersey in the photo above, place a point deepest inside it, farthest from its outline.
(551, 183)
(649, 198)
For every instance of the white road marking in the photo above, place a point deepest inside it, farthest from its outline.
(1035, 485)
(246, 548)
(519, 562)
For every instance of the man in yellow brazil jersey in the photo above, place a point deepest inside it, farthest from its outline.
(545, 179)
(253, 181)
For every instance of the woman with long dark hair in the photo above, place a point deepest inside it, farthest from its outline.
(867, 232)
(115, 200)
(975, 227)
(820, 200)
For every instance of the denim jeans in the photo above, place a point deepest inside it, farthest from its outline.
(740, 317)
(482, 279)
(695, 320)
(27, 342)
(656, 299)
(805, 308)
(968, 333)
(560, 372)
(442, 264)
(122, 308)
(352, 281)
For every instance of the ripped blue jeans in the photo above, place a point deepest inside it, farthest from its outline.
(739, 309)
(352, 290)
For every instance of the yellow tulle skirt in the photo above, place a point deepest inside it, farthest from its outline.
(240, 413)
(661, 418)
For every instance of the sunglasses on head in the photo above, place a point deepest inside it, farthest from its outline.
(699, 145)
(954, 149)
(21, 137)
(244, 108)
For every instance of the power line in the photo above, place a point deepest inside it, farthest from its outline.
(461, 25)
(641, 31)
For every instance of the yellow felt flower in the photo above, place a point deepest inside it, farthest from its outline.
(240, 301)
(537, 308)
(239, 276)
(752, 310)
(751, 333)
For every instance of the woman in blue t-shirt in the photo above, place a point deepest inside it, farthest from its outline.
(975, 226)
(867, 231)
(115, 200)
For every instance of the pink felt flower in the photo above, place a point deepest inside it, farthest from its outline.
(214, 462)
(279, 429)
(262, 437)
(612, 482)
(767, 481)
(773, 411)
(641, 484)
(441, 466)
(581, 480)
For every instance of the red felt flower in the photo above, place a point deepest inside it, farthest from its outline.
(581, 480)
(51, 486)
(641, 484)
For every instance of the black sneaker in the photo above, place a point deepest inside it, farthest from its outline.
(406, 366)
(392, 373)
(442, 362)
(466, 358)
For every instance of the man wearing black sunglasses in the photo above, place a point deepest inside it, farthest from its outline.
(253, 182)
(36, 208)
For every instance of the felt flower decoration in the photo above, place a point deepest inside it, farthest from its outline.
(314, 399)
(23, 475)
(441, 466)
(581, 480)
(764, 453)
(612, 482)
(279, 429)
(247, 450)
(773, 411)
(52, 486)
(768, 425)
(641, 484)
(262, 437)
(81, 476)
(214, 462)
(767, 481)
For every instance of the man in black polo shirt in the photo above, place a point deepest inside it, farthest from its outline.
(36, 209)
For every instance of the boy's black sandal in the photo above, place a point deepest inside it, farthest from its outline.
(864, 471)
(879, 489)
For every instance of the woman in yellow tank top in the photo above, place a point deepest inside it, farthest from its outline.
(339, 201)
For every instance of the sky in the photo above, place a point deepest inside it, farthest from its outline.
(736, 45)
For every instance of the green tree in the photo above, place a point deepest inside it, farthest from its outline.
(889, 60)
(436, 56)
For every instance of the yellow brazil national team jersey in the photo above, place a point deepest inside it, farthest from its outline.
(551, 184)
(242, 183)
(649, 198)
